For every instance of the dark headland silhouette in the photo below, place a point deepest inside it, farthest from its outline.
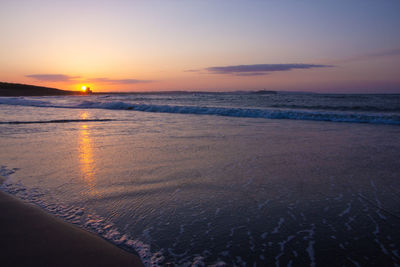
(16, 89)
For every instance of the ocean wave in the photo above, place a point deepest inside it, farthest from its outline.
(339, 108)
(53, 121)
(250, 112)
(267, 113)
(20, 101)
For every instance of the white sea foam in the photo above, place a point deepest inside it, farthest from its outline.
(264, 235)
(217, 211)
(282, 248)
(6, 172)
(311, 242)
(268, 113)
(79, 216)
(277, 228)
(261, 205)
(347, 210)
(356, 263)
(339, 197)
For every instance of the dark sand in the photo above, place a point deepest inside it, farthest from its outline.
(31, 237)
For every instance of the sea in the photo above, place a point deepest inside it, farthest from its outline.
(215, 179)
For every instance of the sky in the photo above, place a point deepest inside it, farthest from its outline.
(120, 45)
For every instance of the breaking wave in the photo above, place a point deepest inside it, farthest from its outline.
(267, 113)
(340, 108)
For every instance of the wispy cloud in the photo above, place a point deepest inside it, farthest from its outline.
(378, 54)
(53, 77)
(391, 52)
(260, 69)
(193, 70)
(118, 81)
(69, 78)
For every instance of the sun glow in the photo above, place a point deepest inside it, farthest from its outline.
(84, 87)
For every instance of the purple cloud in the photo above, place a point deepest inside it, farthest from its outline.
(250, 73)
(119, 81)
(191, 70)
(260, 69)
(52, 77)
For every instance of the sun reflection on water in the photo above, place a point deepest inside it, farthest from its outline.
(86, 158)
(84, 116)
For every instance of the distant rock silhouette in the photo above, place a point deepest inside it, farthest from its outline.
(264, 92)
(88, 91)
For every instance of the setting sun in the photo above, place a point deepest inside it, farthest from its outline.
(83, 88)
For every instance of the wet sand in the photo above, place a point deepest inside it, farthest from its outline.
(31, 237)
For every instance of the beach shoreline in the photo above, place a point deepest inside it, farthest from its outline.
(30, 236)
(191, 188)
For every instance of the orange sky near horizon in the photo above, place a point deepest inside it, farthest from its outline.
(202, 45)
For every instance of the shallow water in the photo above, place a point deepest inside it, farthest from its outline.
(184, 188)
(376, 109)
